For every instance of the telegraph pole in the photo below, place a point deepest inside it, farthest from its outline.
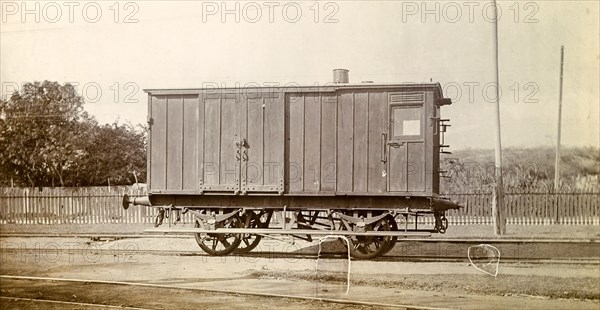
(560, 95)
(498, 201)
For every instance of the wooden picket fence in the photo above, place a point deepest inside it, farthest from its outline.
(97, 205)
(529, 209)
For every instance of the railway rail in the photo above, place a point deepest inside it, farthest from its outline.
(205, 290)
(425, 249)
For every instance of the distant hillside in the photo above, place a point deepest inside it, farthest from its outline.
(525, 169)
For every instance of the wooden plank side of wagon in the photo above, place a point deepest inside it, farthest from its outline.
(295, 142)
(174, 142)
(328, 142)
(274, 140)
(377, 129)
(312, 142)
(190, 142)
(212, 134)
(253, 111)
(158, 129)
(345, 149)
(361, 141)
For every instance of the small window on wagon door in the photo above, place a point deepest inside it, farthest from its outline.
(406, 122)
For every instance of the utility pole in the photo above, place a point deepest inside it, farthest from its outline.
(560, 95)
(498, 198)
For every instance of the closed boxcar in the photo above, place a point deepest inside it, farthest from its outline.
(340, 150)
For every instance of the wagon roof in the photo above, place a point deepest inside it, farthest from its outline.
(297, 88)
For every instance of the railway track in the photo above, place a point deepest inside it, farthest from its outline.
(433, 249)
(62, 303)
(324, 301)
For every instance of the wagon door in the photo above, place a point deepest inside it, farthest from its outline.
(221, 148)
(406, 147)
(262, 132)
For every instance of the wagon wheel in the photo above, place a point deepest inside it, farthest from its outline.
(367, 247)
(252, 220)
(220, 244)
(393, 227)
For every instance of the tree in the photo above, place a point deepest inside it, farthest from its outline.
(47, 139)
(116, 152)
(43, 129)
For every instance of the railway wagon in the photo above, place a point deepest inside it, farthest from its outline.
(355, 160)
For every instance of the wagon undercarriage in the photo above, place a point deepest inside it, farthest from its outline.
(368, 232)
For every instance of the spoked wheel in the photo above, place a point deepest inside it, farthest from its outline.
(252, 220)
(367, 247)
(393, 227)
(220, 244)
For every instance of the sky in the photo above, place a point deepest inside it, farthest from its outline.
(113, 50)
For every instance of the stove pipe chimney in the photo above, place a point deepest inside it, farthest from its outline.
(340, 76)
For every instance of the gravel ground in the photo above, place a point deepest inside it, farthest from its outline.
(436, 284)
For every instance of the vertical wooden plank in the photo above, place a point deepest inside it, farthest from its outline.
(74, 208)
(18, 206)
(530, 213)
(575, 211)
(535, 204)
(580, 210)
(86, 206)
(518, 209)
(35, 204)
(514, 210)
(312, 142)
(255, 171)
(8, 207)
(230, 123)
(428, 168)
(55, 209)
(158, 160)
(415, 168)
(377, 103)
(527, 208)
(361, 142)
(200, 139)
(588, 210)
(583, 208)
(397, 167)
(274, 141)
(91, 216)
(596, 208)
(58, 207)
(85, 219)
(345, 149)
(190, 143)
(31, 202)
(174, 148)
(567, 206)
(77, 207)
(545, 210)
(120, 212)
(26, 201)
(91, 199)
(103, 213)
(44, 211)
(557, 205)
(41, 217)
(328, 142)
(212, 140)
(295, 140)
